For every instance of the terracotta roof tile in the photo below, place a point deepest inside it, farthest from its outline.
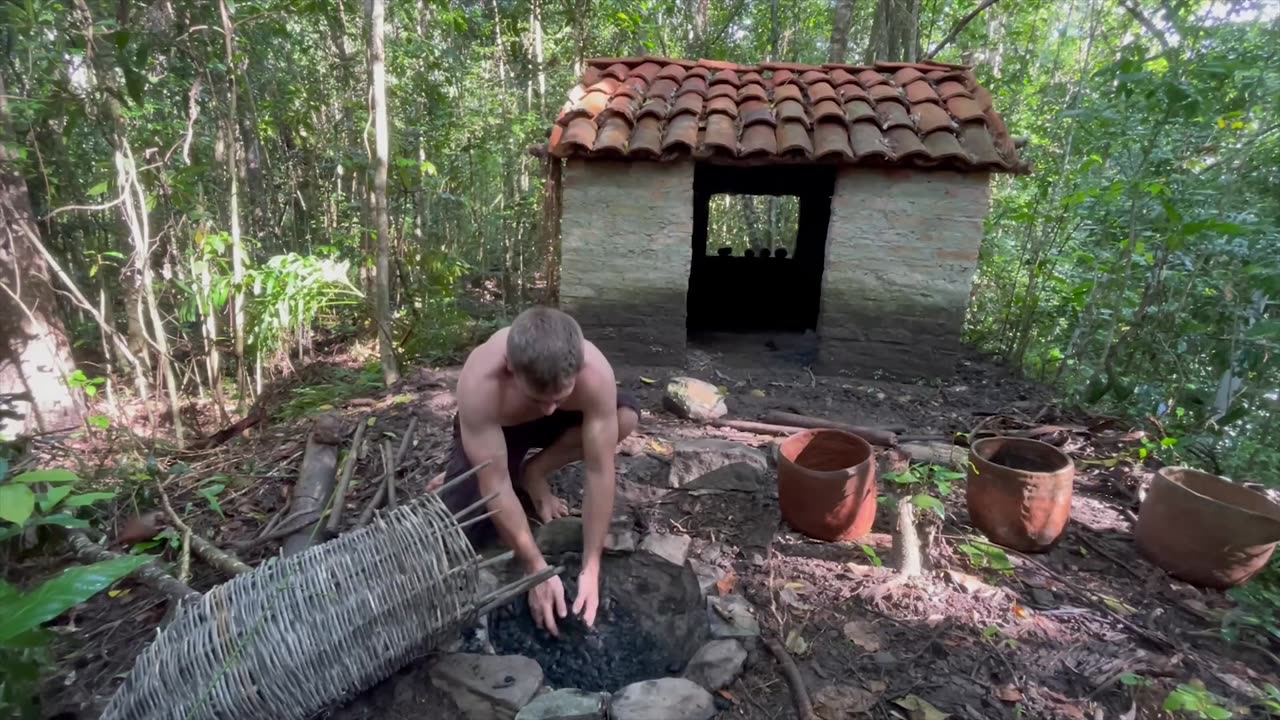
(828, 110)
(870, 78)
(906, 76)
(964, 108)
(820, 91)
(881, 93)
(867, 141)
(921, 91)
(688, 103)
(930, 117)
(950, 88)
(793, 139)
(905, 144)
(727, 91)
(893, 115)
(722, 133)
(693, 84)
(663, 87)
(752, 91)
(723, 105)
(791, 110)
(759, 140)
(726, 77)
(856, 110)
(925, 115)
(673, 71)
(812, 76)
(831, 140)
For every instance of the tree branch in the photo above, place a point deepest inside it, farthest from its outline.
(1133, 9)
(955, 31)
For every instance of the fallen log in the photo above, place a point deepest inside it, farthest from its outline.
(150, 574)
(875, 436)
(316, 481)
(937, 453)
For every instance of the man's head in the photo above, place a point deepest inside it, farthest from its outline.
(544, 352)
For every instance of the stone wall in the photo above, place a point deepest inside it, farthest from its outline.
(902, 248)
(626, 231)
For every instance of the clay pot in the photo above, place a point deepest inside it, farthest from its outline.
(1206, 530)
(827, 484)
(1019, 492)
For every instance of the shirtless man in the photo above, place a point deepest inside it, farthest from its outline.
(539, 384)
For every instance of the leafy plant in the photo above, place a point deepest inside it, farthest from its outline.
(77, 379)
(31, 499)
(24, 645)
(927, 483)
(985, 556)
(1193, 700)
(1257, 606)
(342, 384)
(210, 493)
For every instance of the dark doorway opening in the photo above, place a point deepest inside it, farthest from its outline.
(759, 245)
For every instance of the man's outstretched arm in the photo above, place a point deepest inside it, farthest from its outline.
(599, 441)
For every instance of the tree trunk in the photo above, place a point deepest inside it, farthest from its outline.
(908, 556)
(895, 31)
(233, 201)
(35, 356)
(841, 20)
(375, 10)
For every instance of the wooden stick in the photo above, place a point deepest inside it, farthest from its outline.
(450, 483)
(285, 528)
(316, 481)
(799, 694)
(503, 595)
(344, 480)
(756, 427)
(389, 476)
(875, 436)
(184, 565)
(217, 557)
(150, 574)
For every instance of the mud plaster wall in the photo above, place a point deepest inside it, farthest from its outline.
(625, 250)
(902, 248)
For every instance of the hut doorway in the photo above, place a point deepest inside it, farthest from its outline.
(759, 248)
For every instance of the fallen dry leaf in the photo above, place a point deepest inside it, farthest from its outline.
(728, 695)
(726, 584)
(647, 381)
(842, 702)
(757, 393)
(796, 644)
(876, 686)
(861, 633)
(919, 709)
(1008, 693)
(1019, 611)
(141, 527)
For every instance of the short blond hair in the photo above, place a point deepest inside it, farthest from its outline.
(544, 347)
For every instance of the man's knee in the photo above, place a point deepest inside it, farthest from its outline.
(628, 419)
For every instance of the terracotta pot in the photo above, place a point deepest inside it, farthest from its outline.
(827, 484)
(1019, 492)
(1206, 530)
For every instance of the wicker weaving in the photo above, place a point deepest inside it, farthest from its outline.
(300, 633)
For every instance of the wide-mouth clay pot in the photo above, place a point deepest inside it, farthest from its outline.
(1019, 492)
(1205, 529)
(827, 484)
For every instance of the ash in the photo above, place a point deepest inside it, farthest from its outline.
(613, 654)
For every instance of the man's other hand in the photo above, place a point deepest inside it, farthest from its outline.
(588, 600)
(546, 603)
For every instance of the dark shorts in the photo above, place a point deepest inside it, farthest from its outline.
(533, 435)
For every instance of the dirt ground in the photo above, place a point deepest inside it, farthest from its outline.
(1056, 637)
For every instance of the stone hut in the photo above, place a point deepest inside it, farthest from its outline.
(891, 167)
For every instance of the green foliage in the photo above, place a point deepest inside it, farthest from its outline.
(290, 293)
(339, 385)
(931, 480)
(210, 493)
(1193, 700)
(985, 556)
(1257, 606)
(23, 644)
(31, 499)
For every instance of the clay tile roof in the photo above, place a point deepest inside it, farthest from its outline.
(926, 115)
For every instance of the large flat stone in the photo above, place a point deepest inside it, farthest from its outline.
(692, 460)
(562, 535)
(694, 399)
(488, 687)
(665, 699)
(731, 616)
(716, 664)
(566, 704)
(668, 546)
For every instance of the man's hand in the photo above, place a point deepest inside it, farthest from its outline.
(588, 600)
(546, 603)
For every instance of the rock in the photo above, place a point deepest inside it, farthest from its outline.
(567, 704)
(665, 699)
(731, 616)
(620, 541)
(708, 575)
(488, 687)
(692, 459)
(668, 546)
(694, 399)
(560, 536)
(716, 664)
